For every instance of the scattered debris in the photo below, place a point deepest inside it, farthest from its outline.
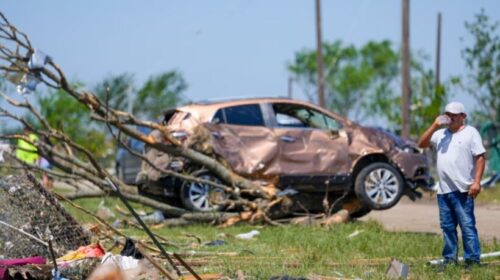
(155, 218)
(10, 263)
(397, 269)
(123, 262)
(355, 233)
(248, 235)
(90, 251)
(341, 216)
(217, 242)
(104, 212)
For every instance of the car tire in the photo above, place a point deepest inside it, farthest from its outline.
(196, 196)
(379, 186)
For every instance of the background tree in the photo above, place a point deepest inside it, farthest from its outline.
(364, 83)
(115, 89)
(68, 115)
(482, 60)
(158, 93)
(426, 103)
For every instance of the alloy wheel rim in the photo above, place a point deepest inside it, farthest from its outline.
(199, 194)
(381, 186)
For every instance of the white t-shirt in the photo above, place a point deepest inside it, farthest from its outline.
(455, 157)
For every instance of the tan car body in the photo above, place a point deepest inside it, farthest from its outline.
(296, 145)
(316, 152)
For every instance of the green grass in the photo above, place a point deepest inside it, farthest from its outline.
(305, 250)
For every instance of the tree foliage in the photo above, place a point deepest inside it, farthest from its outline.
(158, 93)
(364, 83)
(482, 59)
(68, 115)
(114, 90)
(350, 73)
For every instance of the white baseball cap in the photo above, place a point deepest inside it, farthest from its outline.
(455, 108)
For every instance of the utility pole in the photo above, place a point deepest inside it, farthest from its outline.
(319, 55)
(437, 84)
(405, 70)
(290, 81)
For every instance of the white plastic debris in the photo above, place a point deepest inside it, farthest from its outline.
(27, 84)
(248, 235)
(38, 60)
(123, 262)
(355, 233)
(156, 217)
(29, 81)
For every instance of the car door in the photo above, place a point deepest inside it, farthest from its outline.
(242, 138)
(310, 142)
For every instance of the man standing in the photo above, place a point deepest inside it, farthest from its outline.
(460, 166)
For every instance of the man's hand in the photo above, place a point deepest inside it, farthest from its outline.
(475, 189)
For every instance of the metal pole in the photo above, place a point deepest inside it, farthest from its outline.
(405, 70)
(290, 80)
(319, 59)
(438, 52)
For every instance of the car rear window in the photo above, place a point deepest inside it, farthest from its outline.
(250, 115)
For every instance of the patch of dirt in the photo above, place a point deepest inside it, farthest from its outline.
(423, 216)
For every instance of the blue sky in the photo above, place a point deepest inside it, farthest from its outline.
(227, 48)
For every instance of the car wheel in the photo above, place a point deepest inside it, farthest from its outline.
(379, 186)
(197, 196)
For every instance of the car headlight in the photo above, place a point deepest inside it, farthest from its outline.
(410, 150)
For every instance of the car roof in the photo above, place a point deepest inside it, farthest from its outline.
(204, 110)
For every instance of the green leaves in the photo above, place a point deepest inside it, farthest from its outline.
(159, 93)
(353, 77)
(364, 83)
(482, 60)
(64, 113)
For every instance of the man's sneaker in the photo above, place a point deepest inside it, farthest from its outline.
(447, 262)
(470, 264)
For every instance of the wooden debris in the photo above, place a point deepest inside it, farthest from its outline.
(341, 216)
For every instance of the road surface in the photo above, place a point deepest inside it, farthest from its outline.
(422, 216)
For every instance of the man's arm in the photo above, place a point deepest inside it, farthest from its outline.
(475, 188)
(425, 140)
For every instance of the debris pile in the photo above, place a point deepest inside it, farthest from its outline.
(40, 240)
(29, 215)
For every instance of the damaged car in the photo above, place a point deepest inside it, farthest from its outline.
(300, 148)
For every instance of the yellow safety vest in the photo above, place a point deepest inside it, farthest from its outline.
(26, 151)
